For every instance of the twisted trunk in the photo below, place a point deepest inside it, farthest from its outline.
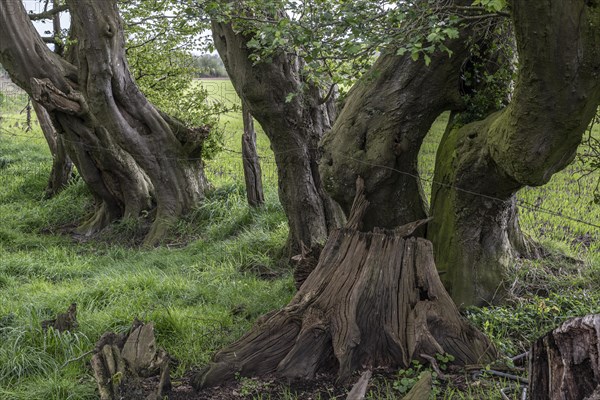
(480, 166)
(380, 130)
(381, 127)
(294, 128)
(132, 156)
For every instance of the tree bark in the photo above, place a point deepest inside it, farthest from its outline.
(252, 172)
(374, 300)
(59, 47)
(62, 167)
(380, 130)
(381, 127)
(294, 128)
(565, 363)
(132, 156)
(480, 166)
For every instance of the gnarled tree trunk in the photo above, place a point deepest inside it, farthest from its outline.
(381, 127)
(132, 156)
(481, 165)
(62, 167)
(294, 128)
(374, 299)
(380, 130)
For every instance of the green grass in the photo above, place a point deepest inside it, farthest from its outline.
(227, 166)
(219, 271)
(201, 293)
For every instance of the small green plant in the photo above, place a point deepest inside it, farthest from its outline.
(249, 386)
(443, 360)
(407, 378)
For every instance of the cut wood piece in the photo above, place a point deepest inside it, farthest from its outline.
(565, 363)
(422, 389)
(360, 388)
(373, 300)
(121, 362)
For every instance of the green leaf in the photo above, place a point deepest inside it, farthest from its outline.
(452, 33)
(290, 97)
(497, 5)
(433, 36)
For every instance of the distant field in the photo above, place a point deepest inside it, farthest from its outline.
(229, 161)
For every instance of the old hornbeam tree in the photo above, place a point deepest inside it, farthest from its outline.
(133, 157)
(251, 162)
(480, 166)
(379, 132)
(294, 114)
(373, 300)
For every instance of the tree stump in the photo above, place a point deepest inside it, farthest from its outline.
(63, 322)
(374, 300)
(122, 362)
(565, 363)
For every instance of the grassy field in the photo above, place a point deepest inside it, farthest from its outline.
(219, 270)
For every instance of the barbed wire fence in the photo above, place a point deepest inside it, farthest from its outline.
(17, 120)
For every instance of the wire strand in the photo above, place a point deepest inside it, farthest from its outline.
(271, 159)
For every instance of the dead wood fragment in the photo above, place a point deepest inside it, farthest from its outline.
(122, 362)
(360, 388)
(63, 322)
(422, 389)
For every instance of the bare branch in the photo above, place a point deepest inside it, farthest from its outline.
(48, 14)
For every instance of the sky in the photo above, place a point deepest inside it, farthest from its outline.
(37, 6)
